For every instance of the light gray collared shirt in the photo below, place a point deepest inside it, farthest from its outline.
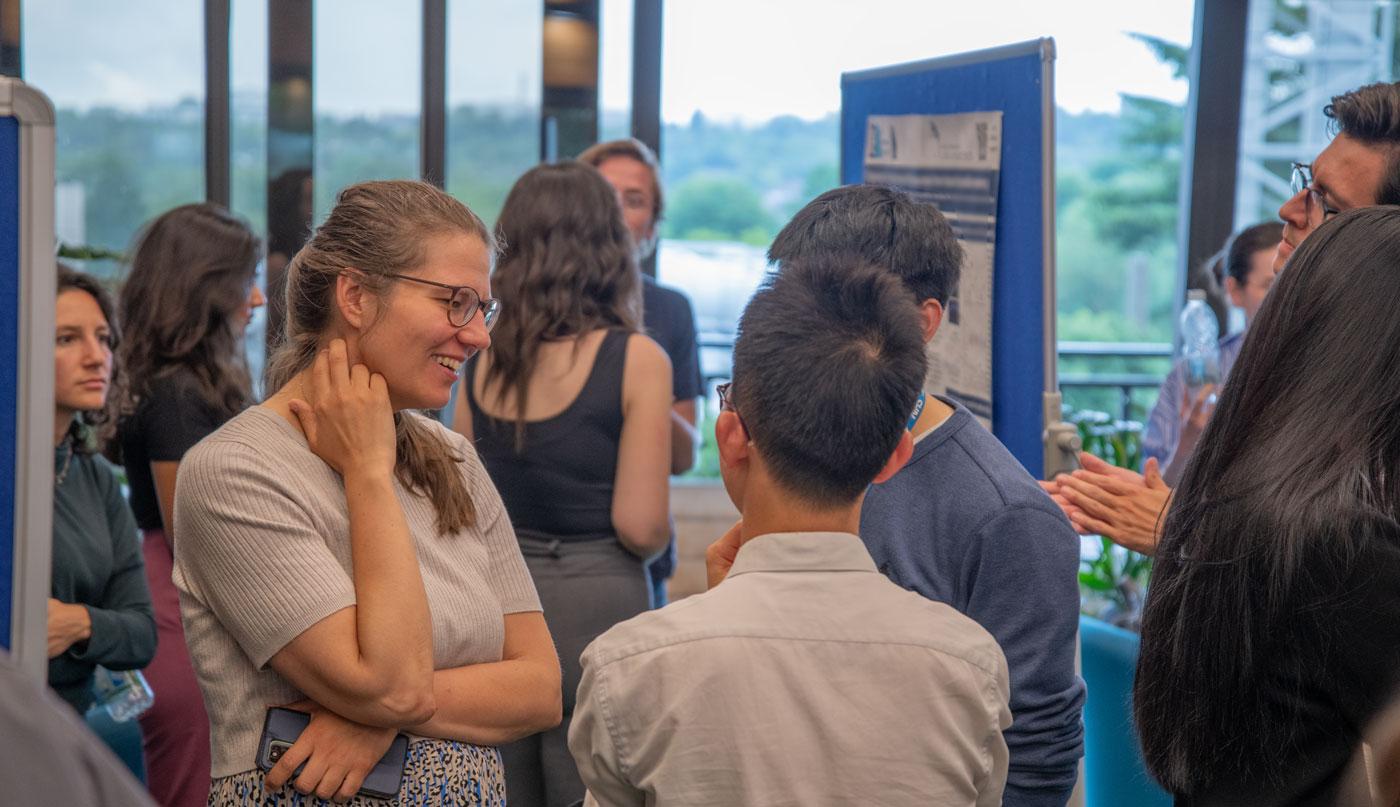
(805, 678)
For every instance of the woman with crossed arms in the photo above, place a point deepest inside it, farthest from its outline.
(339, 551)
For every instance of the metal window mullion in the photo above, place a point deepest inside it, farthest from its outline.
(217, 178)
(433, 129)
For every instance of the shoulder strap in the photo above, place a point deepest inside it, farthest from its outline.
(604, 385)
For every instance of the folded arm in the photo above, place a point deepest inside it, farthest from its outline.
(496, 702)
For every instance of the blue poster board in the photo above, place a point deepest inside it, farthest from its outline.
(1018, 81)
(27, 280)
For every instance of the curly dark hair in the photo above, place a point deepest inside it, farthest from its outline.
(566, 268)
(191, 271)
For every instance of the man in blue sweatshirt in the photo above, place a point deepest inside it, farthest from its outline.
(963, 523)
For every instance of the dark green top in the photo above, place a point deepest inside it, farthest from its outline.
(97, 562)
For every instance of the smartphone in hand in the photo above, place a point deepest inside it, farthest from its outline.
(282, 727)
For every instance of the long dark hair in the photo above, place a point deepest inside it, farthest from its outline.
(191, 272)
(1295, 474)
(90, 428)
(566, 269)
(379, 228)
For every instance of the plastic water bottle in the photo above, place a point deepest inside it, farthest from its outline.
(1200, 346)
(123, 694)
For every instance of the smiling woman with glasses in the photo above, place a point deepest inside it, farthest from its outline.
(570, 410)
(344, 553)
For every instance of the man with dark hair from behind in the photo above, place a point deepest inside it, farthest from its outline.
(964, 523)
(631, 168)
(802, 676)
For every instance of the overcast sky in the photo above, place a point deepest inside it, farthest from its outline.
(730, 59)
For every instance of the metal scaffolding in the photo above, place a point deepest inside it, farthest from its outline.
(1300, 54)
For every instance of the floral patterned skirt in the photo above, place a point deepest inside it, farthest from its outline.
(436, 772)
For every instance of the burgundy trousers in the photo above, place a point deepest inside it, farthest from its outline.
(175, 730)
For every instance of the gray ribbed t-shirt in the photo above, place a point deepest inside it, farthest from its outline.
(262, 552)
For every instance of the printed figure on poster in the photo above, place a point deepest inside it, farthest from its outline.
(953, 161)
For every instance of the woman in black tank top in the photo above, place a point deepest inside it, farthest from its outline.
(570, 411)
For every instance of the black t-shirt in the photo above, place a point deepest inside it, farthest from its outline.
(1328, 676)
(671, 322)
(169, 421)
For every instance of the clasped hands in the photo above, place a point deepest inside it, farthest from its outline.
(1122, 505)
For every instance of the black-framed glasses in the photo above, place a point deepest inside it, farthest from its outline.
(463, 304)
(1302, 180)
(726, 401)
(726, 404)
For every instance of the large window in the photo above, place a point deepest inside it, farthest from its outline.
(615, 69)
(127, 81)
(248, 147)
(493, 98)
(248, 110)
(367, 93)
(750, 134)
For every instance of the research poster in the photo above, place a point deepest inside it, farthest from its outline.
(953, 161)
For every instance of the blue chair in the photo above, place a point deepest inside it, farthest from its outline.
(1114, 774)
(123, 738)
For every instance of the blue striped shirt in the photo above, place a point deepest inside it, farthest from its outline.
(1163, 430)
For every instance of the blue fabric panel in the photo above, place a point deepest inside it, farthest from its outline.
(1012, 85)
(9, 359)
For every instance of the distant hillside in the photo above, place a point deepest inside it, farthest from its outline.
(1081, 139)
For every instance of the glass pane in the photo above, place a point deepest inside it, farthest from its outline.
(248, 145)
(615, 68)
(128, 86)
(494, 80)
(367, 93)
(248, 99)
(1297, 57)
(570, 104)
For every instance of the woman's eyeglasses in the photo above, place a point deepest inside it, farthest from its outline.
(463, 304)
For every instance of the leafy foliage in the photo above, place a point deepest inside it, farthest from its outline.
(1113, 580)
(705, 208)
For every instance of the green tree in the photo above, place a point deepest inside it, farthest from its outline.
(718, 209)
(1135, 197)
(1116, 213)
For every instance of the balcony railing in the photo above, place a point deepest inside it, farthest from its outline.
(1124, 382)
(717, 346)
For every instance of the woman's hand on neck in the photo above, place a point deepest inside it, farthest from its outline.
(280, 400)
